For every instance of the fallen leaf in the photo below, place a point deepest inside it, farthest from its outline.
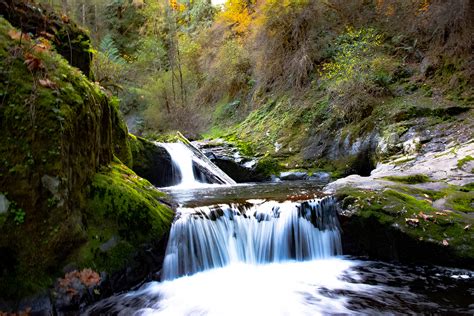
(17, 35)
(441, 214)
(445, 242)
(424, 216)
(65, 18)
(32, 62)
(89, 277)
(412, 221)
(467, 227)
(47, 83)
(47, 35)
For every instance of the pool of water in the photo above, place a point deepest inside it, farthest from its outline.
(339, 285)
(208, 194)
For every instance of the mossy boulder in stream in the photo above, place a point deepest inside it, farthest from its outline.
(405, 223)
(57, 130)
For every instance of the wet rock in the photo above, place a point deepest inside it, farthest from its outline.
(51, 184)
(320, 177)
(237, 171)
(291, 176)
(38, 305)
(4, 204)
(228, 158)
(109, 244)
(152, 162)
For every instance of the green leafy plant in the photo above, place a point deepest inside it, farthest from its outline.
(18, 213)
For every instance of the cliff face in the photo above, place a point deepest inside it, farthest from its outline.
(58, 129)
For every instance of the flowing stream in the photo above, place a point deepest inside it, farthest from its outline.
(275, 249)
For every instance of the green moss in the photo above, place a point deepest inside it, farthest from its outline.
(57, 124)
(125, 207)
(461, 201)
(410, 179)
(463, 161)
(268, 166)
(393, 207)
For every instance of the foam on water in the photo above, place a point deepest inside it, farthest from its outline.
(288, 288)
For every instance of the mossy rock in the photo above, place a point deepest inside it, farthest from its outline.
(57, 129)
(401, 223)
(410, 179)
(151, 161)
(70, 40)
(124, 211)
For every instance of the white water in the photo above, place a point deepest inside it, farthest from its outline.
(289, 288)
(209, 237)
(183, 159)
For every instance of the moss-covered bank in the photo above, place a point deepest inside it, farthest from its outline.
(404, 223)
(124, 211)
(57, 130)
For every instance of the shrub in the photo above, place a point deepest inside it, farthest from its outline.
(358, 73)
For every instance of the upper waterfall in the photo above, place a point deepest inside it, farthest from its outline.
(193, 167)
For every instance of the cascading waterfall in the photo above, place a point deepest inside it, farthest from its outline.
(208, 237)
(185, 161)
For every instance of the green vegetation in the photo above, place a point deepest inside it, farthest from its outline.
(410, 179)
(412, 212)
(268, 166)
(463, 161)
(125, 208)
(58, 128)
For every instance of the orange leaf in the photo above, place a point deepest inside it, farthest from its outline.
(47, 83)
(17, 35)
(33, 62)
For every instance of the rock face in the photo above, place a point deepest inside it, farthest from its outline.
(229, 160)
(152, 162)
(416, 207)
(58, 130)
(55, 136)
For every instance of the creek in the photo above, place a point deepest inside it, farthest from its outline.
(275, 249)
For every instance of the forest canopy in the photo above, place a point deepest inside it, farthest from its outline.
(187, 62)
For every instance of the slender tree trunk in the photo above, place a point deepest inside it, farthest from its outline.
(65, 7)
(83, 14)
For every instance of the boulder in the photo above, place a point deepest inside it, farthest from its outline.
(320, 176)
(293, 175)
(152, 162)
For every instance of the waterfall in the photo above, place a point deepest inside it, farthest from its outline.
(207, 237)
(194, 167)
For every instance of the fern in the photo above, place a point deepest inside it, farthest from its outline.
(108, 48)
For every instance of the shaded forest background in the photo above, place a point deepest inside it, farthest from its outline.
(200, 68)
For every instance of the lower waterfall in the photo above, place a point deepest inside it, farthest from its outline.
(255, 233)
